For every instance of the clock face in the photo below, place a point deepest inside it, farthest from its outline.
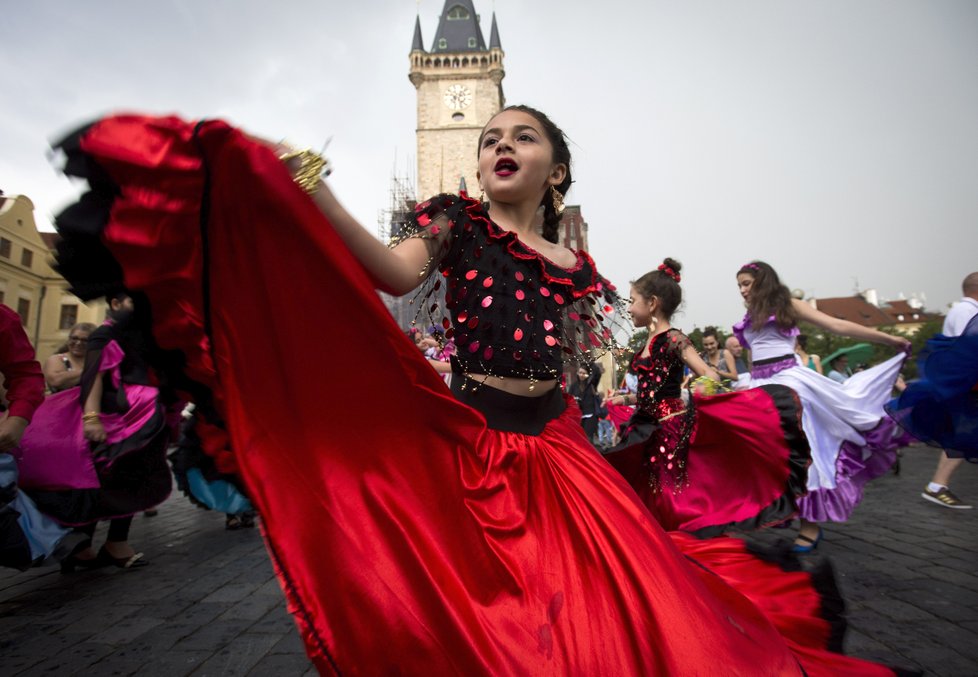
(458, 97)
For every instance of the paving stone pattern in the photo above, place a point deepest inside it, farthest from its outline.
(209, 604)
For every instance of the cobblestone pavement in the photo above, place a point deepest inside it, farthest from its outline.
(210, 605)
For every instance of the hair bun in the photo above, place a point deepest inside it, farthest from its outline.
(672, 263)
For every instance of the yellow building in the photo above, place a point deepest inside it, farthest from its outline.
(30, 286)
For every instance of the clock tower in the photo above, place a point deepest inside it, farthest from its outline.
(459, 84)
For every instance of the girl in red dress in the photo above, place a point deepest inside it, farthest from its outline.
(705, 464)
(471, 530)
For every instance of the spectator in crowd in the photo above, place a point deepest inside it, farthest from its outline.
(64, 369)
(720, 359)
(813, 362)
(839, 369)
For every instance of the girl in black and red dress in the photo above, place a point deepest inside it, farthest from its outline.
(471, 530)
(710, 463)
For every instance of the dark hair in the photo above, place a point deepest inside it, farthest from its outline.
(115, 296)
(768, 296)
(712, 331)
(802, 340)
(561, 155)
(661, 285)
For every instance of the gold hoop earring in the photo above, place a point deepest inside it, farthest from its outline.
(558, 199)
(482, 195)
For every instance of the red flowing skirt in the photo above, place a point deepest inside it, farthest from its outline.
(736, 461)
(420, 541)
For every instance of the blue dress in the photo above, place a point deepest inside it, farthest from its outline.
(941, 408)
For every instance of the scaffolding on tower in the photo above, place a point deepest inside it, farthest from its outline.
(402, 198)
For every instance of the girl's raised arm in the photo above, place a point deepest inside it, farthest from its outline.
(846, 328)
(395, 271)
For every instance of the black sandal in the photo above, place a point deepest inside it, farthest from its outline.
(69, 563)
(233, 523)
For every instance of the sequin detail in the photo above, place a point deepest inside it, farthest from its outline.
(517, 314)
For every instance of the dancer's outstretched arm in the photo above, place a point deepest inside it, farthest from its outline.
(846, 328)
(395, 271)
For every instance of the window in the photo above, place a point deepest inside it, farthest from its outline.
(69, 316)
(458, 117)
(26, 257)
(472, 42)
(5, 247)
(442, 43)
(24, 310)
(458, 13)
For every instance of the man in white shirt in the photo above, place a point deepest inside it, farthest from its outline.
(957, 319)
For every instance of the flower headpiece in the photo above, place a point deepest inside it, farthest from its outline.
(670, 272)
(750, 266)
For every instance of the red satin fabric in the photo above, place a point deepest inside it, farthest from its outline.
(619, 413)
(414, 540)
(737, 464)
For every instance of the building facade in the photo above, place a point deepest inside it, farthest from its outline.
(459, 89)
(30, 286)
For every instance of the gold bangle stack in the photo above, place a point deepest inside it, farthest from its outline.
(312, 167)
(91, 417)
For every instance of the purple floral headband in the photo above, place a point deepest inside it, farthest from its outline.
(750, 266)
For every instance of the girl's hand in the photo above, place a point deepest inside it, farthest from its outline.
(11, 430)
(94, 431)
(901, 343)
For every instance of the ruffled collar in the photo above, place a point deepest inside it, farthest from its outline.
(550, 271)
(741, 327)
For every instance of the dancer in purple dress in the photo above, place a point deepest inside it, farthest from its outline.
(849, 433)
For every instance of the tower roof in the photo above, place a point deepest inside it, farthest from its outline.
(458, 29)
(494, 35)
(418, 43)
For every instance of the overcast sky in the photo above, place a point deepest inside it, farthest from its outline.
(836, 139)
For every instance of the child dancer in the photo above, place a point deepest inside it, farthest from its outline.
(733, 460)
(849, 433)
(465, 531)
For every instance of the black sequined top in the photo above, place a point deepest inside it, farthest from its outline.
(511, 311)
(660, 373)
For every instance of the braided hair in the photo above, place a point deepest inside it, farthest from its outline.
(663, 284)
(561, 155)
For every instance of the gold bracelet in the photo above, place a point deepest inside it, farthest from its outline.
(312, 167)
(91, 417)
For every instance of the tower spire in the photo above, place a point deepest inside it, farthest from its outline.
(494, 34)
(418, 43)
(458, 29)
